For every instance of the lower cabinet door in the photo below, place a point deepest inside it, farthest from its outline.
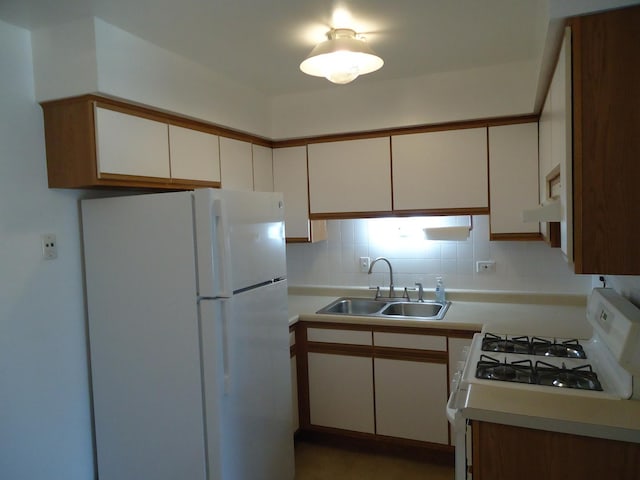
(341, 392)
(411, 398)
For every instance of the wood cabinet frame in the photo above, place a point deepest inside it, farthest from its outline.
(375, 442)
(504, 452)
(70, 139)
(606, 148)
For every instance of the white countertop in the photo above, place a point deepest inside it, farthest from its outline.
(499, 312)
(548, 315)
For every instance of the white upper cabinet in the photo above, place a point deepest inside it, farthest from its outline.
(262, 168)
(440, 170)
(350, 176)
(194, 155)
(236, 165)
(130, 145)
(290, 178)
(513, 176)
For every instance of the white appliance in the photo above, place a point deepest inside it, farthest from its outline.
(600, 367)
(188, 333)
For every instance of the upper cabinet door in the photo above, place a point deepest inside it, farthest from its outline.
(128, 145)
(262, 169)
(441, 171)
(350, 176)
(194, 155)
(513, 162)
(290, 178)
(236, 165)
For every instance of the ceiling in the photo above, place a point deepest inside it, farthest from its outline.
(260, 43)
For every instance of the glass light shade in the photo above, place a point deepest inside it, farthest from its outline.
(341, 58)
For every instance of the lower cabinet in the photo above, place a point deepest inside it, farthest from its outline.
(411, 398)
(504, 452)
(341, 392)
(376, 383)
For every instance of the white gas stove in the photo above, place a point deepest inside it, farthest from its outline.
(601, 366)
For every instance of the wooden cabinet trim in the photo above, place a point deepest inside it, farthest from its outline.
(411, 355)
(400, 213)
(340, 349)
(151, 113)
(516, 237)
(425, 128)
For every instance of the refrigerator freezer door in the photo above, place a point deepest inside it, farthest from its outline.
(248, 226)
(144, 337)
(255, 405)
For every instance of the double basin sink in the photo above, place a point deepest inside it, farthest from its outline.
(387, 308)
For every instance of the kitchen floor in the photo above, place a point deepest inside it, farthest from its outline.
(322, 462)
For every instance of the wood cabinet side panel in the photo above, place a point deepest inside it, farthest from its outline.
(70, 144)
(606, 80)
(501, 451)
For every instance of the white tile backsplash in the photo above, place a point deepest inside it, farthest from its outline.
(520, 266)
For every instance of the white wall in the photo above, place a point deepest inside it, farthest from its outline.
(520, 266)
(45, 424)
(626, 285)
(495, 91)
(90, 55)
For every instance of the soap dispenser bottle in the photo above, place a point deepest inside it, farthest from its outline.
(440, 295)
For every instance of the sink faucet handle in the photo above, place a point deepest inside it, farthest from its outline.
(420, 292)
(377, 289)
(406, 293)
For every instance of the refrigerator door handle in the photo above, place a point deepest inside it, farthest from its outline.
(222, 249)
(226, 371)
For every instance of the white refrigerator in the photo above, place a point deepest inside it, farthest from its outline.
(188, 336)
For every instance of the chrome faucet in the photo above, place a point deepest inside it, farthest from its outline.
(420, 292)
(391, 293)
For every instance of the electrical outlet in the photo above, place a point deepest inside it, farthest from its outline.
(49, 246)
(485, 266)
(364, 264)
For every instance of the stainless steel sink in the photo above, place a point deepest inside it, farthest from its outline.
(420, 309)
(353, 306)
(387, 308)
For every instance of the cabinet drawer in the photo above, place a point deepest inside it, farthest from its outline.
(327, 335)
(405, 340)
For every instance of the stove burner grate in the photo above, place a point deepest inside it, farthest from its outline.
(542, 373)
(495, 343)
(582, 377)
(565, 349)
(490, 368)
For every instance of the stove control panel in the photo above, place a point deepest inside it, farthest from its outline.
(617, 322)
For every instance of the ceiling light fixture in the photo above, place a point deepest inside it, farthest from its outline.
(341, 58)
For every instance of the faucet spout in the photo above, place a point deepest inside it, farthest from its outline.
(391, 293)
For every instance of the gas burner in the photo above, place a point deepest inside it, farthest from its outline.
(582, 377)
(495, 343)
(564, 349)
(520, 371)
